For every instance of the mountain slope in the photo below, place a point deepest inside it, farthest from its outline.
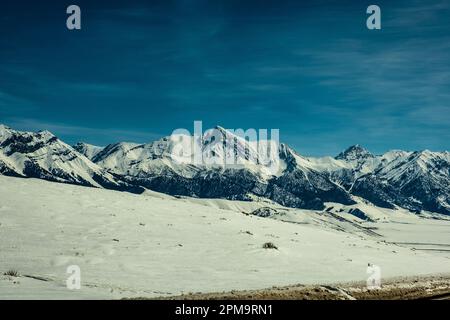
(188, 245)
(279, 177)
(88, 150)
(223, 164)
(414, 180)
(42, 155)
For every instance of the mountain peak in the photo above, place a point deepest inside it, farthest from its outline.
(217, 132)
(4, 128)
(222, 131)
(87, 149)
(353, 153)
(233, 168)
(46, 133)
(220, 128)
(85, 144)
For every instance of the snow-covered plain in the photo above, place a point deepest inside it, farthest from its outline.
(152, 244)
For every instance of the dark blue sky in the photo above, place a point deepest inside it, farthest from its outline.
(139, 69)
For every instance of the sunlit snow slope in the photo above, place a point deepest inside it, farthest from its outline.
(154, 245)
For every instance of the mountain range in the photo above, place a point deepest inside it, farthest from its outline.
(415, 180)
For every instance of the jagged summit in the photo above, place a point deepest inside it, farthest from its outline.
(46, 134)
(220, 128)
(354, 152)
(42, 155)
(417, 180)
(4, 130)
(88, 150)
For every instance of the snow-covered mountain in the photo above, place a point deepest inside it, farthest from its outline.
(88, 150)
(413, 180)
(42, 155)
(232, 168)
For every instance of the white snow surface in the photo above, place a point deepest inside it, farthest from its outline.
(89, 150)
(52, 155)
(156, 245)
(219, 149)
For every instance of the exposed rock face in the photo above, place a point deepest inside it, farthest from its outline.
(42, 155)
(360, 214)
(413, 180)
(264, 212)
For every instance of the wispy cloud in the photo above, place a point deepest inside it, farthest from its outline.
(418, 15)
(310, 68)
(404, 77)
(20, 104)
